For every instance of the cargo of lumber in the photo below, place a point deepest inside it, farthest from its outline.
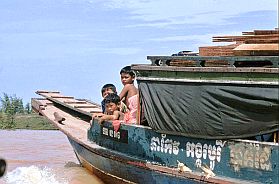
(254, 43)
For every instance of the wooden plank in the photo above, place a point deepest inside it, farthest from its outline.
(91, 110)
(260, 32)
(257, 47)
(226, 50)
(248, 33)
(48, 93)
(60, 99)
(75, 102)
(264, 32)
(52, 94)
(44, 102)
(58, 96)
(44, 91)
(36, 106)
(39, 104)
(261, 41)
(257, 50)
(85, 106)
(242, 38)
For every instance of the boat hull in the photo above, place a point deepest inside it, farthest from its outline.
(232, 161)
(108, 169)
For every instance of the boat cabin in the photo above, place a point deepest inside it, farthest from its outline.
(223, 92)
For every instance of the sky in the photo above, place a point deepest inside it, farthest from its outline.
(77, 46)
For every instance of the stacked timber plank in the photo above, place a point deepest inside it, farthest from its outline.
(254, 43)
(255, 37)
(226, 50)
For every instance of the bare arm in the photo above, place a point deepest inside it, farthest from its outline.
(114, 116)
(124, 91)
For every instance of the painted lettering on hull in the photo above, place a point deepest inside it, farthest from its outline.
(120, 136)
(164, 145)
(205, 152)
(202, 153)
(250, 155)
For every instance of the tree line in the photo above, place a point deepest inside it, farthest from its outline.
(10, 106)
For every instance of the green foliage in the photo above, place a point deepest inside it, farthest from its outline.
(7, 121)
(13, 105)
(13, 115)
(28, 109)
(32, 121)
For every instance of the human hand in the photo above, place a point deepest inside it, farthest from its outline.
(101, 120)
(97, 115)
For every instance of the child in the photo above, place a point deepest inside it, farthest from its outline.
(112, 104)
(107, 89)
(129, 93)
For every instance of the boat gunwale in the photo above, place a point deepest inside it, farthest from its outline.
(165, 60)
(148, 67)
(275, 83)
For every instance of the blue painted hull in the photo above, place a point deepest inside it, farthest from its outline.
(121, 171)
(144, 157)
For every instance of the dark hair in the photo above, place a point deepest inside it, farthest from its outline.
(128, 70)
(108, 86)
(112, 97)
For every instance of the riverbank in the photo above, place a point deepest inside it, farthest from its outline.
(31, 122)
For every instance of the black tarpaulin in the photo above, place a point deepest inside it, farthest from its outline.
(212, 111)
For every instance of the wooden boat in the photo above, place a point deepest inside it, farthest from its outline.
(200, 122)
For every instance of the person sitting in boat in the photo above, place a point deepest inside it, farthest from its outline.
(112, 104)
(108, 89)
(129, 94)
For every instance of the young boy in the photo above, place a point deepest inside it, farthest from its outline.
(129, 93)
(112, 103)
(108, 89)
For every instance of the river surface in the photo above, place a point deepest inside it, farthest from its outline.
(41, 156)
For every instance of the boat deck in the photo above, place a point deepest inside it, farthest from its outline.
(72, 124)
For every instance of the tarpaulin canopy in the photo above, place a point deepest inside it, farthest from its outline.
(211, 111)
